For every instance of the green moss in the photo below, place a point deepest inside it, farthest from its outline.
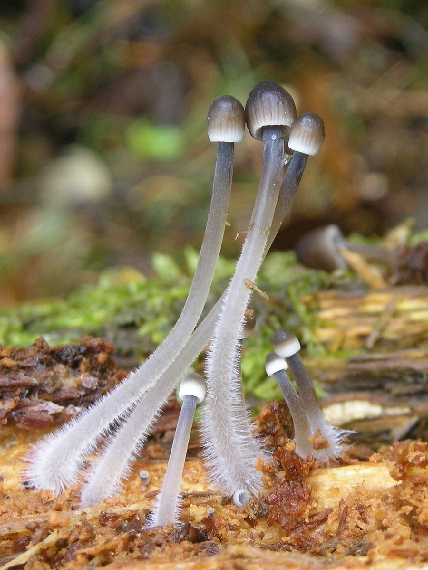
(136, 313)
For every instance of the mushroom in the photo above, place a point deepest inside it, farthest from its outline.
(126, 414)
(286, 345)
(306, 137)
(240, 498)
(230, 447)
(322, 249)
(276, 366)
(191, 392)
(56, 461)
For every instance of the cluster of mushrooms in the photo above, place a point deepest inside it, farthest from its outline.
(126, 414)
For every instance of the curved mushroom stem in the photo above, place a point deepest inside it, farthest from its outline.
(55, 462)
(306, 137)
(192, 392)
(230, 447)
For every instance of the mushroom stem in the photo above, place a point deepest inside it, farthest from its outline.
(306, 137)
(56, 461)
(192, 392)
(277, 366)
(230, 447)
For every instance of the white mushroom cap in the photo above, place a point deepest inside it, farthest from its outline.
(240, 497)
(226, 120)
(193, 385)
(285, 343)
(274, 364)
(307, 134)
(269, 105)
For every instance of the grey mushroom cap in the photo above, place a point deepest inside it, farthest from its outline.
(269, 105)
(285, 343)
(226, 120)
(319, 249)
(307, 134)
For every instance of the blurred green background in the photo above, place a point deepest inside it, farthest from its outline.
(104, 157)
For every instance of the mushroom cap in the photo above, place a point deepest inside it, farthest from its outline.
(269, 105)
(285, 343)
(193, 385)
(240, 497)
(319, 249)
(226, 120)
(275, 363)
(307, 134)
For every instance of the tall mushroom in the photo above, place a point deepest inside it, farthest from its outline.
(55, 462)
(230, 447)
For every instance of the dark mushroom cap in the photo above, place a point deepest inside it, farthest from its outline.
(307, 134)
(226, 120)
(319, 249)
(285, 343)
(269, 105)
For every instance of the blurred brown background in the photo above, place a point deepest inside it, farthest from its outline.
(104, 156)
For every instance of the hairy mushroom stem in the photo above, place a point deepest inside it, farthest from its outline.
(192, 392)
(56, 461)
(230, 447)
(287, 346)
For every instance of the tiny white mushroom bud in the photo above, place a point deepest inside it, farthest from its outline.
(240, 498)
(145, 477)
(274, 364)
(193, 385)
(287, 346)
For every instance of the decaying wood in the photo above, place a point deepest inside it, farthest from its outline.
(380, 387)
(369, 509)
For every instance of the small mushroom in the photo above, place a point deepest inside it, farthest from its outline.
(322, 249)
(306, 137)
(192, 391)
(286, 345)
(240, 498)
(276, 366)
